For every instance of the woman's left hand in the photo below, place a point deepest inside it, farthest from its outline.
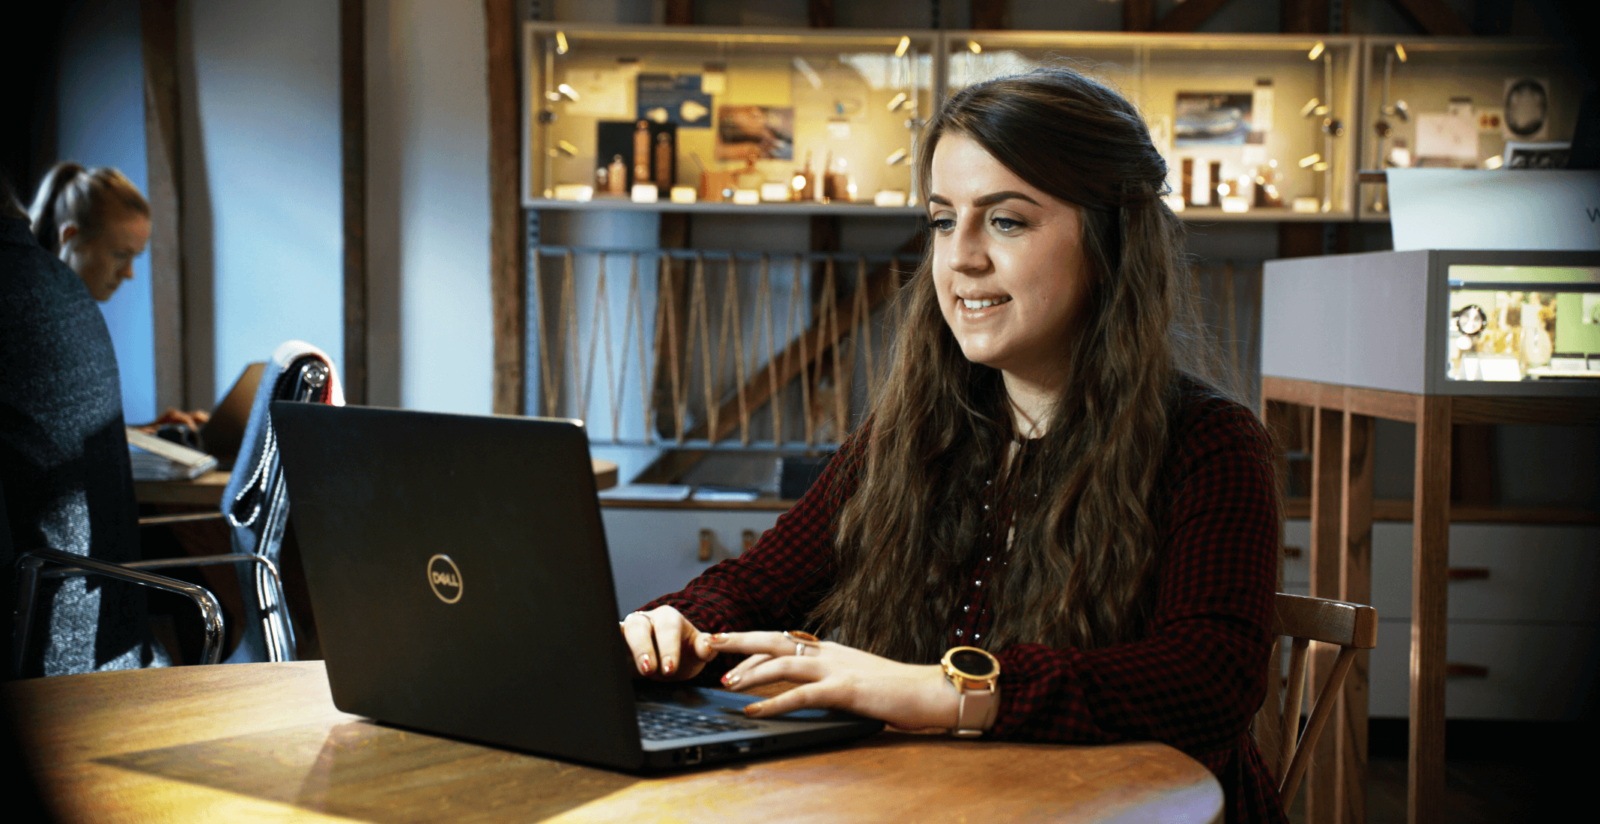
(834, 676)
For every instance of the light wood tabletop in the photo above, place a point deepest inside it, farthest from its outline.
(206, 490)
(264, 741)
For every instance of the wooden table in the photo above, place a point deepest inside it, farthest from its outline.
(206, 490)
(264, 742)
(1341, 563)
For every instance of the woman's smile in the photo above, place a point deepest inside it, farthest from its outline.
(1007, 264)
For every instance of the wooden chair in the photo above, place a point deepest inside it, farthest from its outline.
(1352, 627)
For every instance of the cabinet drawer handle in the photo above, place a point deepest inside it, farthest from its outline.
(1465, 671)
(748, 539)
(1468, 573)
(1292, 551)
(706, 537)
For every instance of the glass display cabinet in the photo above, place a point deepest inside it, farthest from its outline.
(1440, 322)
(1254, 127)
(1482, 103)
(709, 119)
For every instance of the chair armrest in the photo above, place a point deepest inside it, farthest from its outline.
(29, 565)
(189, 517)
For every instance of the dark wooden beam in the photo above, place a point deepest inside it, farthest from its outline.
(819, 14)
(506, 243)
(353, 185)
(1304, 17)
(1139, 15)
(1433, 17)
(989, 14)
(158, 26)
(1189, 15)
(680, 12)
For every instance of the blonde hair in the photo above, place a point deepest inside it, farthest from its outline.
(83, 197)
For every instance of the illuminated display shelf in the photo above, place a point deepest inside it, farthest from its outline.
(1406, 79)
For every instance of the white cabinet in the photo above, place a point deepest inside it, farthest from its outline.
(1523, 618)
(655, 551)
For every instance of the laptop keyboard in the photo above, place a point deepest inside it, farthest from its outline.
(658, 723)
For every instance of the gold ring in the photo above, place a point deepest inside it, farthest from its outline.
(801, 639)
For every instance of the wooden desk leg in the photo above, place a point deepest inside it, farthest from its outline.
(1429, 600)
(1327, 448)
(1355, 585)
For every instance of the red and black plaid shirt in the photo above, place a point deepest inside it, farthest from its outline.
(1195, 682)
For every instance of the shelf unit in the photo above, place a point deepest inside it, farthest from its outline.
(1292, 85)
(1407, 80)
(844, 90)
(857, 97)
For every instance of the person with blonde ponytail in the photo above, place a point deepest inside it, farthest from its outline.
(95, 220)
(1057, 523)
(65, 473)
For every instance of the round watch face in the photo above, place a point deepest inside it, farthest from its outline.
(1471, 320)
(973, 664)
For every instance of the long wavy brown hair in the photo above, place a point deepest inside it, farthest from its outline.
(1080, 570)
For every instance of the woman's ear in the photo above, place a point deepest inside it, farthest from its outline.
(68, 231)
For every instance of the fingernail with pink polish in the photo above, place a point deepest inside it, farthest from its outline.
(644, 665)
(730, 679)
(668, 665)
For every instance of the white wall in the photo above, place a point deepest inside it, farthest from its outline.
(100, 110)
(432, 344)
(259, 81)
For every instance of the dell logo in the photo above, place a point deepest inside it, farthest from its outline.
(444, 578)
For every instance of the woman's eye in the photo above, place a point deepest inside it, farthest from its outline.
(942, 224)
(1006, 224)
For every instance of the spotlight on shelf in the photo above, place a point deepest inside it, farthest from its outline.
(1310, 160)
(972, 46)
(900, 50)
(810, 74)
(1400, 52)
(899, 156)
(1310, 108)
(1317, 50)
(561, 42)
(898, 101)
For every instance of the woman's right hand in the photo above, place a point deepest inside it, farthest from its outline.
(665, 646)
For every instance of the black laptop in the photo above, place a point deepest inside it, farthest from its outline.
(458, 572)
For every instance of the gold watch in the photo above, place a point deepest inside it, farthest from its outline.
(976, 675)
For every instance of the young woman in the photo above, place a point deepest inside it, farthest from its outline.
(95, 220)
(1048, 476)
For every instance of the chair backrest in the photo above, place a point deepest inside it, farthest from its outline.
(1351, 627)
(254, 502)
(64, 457)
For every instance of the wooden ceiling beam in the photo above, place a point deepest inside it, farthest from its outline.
(989, 15)
(1188, 15)
(1433, 17)
(680, 12)
(819, 14)
(1138, 15)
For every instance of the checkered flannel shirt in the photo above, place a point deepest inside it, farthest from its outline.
(1195, 682)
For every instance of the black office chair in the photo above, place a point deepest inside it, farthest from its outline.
(257, 510)
(30, 566)
(256, 504)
